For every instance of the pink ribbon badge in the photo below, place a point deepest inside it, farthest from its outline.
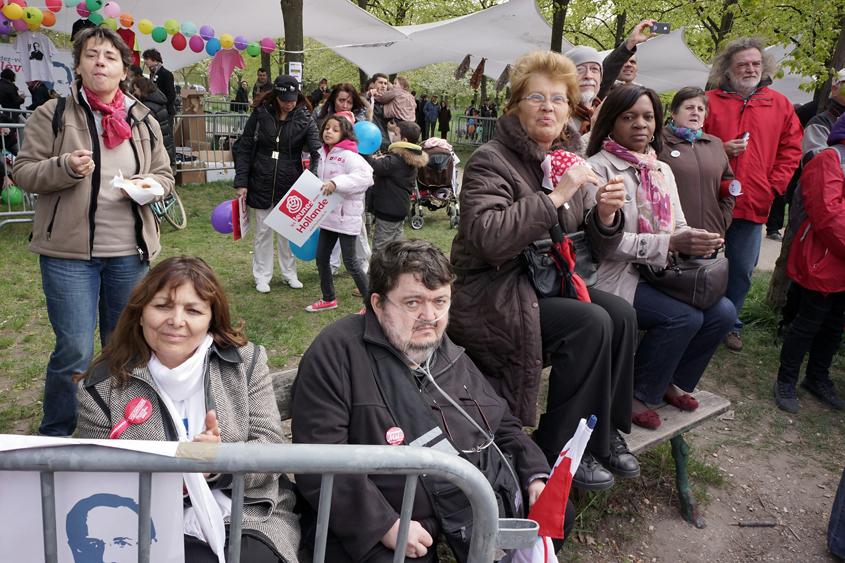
(138, 410)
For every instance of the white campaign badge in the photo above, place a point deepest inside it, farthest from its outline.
(675, 154)
(735, 188)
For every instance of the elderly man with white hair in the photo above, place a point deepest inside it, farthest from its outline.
(597, 74)
(762, 137)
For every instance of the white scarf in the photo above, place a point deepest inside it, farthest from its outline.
(181, 390)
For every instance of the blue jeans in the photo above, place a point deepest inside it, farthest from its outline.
(836, 526)
(75, 291)
(742, 249)
(678, 344)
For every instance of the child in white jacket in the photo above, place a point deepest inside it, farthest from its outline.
(343, 170)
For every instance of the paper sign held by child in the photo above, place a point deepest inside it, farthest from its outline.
(302, 210)
(241, 221)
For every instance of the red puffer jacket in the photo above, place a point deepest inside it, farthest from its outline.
(774, 147)
(817, 255)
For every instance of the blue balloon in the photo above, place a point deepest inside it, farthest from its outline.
(307, 251)
(369, 137)
(221, 218)
(212, 46)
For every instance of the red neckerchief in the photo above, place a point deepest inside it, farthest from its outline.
(115, 128)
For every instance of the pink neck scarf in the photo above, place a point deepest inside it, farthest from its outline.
(115, 128)
(656, 215)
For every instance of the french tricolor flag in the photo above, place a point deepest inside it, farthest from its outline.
(549, 510)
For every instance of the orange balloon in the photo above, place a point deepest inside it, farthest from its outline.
(49, 19)
(126, 20)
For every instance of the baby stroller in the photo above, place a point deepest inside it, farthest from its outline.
(436, 187)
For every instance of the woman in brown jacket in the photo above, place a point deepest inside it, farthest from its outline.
(496, 313)
(699, 163)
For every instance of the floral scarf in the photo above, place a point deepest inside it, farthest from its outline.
(115, 128)
(656, 215)
(686, 134)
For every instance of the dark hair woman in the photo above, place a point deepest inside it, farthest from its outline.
(148, 93)
(679, 339)
(496, 313)
(699, 163)
(241, 102)
(175, 347)
(95, 243)
(282, 127)
(444, 117)
(343, 97)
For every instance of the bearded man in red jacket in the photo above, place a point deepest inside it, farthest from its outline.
(762, 137)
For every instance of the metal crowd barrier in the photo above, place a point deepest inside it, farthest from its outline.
(23, 212)
(471, 131)
(488, 531)
(203, 144)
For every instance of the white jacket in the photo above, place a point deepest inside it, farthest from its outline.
(352, 175)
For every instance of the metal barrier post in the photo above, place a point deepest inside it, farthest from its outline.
(405, 518)
(238, 483)
(48, 517)
(145, 488)
(323, 509)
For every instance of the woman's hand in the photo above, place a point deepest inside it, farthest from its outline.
(419, 540)
(240, 192)
(573, 180)
(610, 198)
(329, 188)
(212, 429)
(695, 242)
(80, 162)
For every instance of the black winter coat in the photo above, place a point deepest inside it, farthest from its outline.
(394, 177)
(241, 102)
(268, 179)
(164, 82)
(10, 99)
(157, 104)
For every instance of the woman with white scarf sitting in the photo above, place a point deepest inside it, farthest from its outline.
(174, 346)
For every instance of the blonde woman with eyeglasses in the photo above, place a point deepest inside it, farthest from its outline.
(507, 202)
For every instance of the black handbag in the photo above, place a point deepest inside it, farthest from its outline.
(699, 282)
(546, 277)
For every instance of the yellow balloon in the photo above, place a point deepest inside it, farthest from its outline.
(13, 11)
(145, 27)
(33, 26)
(227, 41)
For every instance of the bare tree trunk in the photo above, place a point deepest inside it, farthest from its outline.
(294, 40)
(621, 23)
(837, 61)
(776, 294)
(560, 7)
(265, 63)
(725, 26)
(483, 95)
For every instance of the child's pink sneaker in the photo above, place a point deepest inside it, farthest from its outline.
(322, 306)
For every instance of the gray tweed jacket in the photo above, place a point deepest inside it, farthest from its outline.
(238, 387)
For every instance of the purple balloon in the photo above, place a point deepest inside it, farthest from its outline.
(196, 44)
(241, 42)
(221, 218)
(5, 25)
(206, 32)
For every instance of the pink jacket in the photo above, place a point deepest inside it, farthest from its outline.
(352, 176)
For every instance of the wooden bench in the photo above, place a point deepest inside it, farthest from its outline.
(674, 422)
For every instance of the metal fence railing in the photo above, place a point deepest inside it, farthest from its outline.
(13, 210)
(204, 145)
(488, 531)
(471, 131)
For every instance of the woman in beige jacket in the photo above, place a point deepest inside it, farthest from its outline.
(680, 339)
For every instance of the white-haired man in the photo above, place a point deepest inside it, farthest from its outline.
(762, 137)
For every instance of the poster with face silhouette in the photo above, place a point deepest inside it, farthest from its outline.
(96, 518)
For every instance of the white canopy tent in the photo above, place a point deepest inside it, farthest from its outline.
(500, 34)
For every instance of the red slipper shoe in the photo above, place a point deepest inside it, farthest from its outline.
(685, 402)
(647, 419)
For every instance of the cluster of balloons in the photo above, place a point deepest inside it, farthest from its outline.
(17, 15)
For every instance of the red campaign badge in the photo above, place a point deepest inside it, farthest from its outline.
(395, 436)
(138, 410)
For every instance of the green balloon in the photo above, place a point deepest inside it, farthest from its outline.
(159, 34)
(253, 49)
(110, 23)
(95, 18)
(12, 195)
(93, 5)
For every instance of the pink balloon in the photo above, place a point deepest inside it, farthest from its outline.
(196, 43)
(20, 24)
(112, 10)
(82, 10)
(268, 45)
